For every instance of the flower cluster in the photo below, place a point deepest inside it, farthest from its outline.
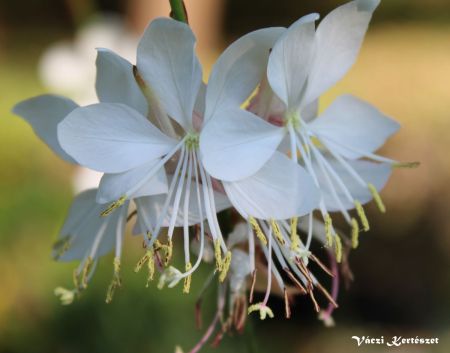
(176, 151)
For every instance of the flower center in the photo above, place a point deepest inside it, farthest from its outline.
(192, 141)
(294, 119)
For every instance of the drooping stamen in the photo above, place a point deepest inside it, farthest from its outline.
(218, 255)
(295, 280)
(116, 282)
(252, 287)
(225, 267)
(113, 206)
(149, 258)
(276, 231)
(321, 265)
(295, 239)
(377, 198)
(287, 308)
(316, 306)
(85, 271)
(338, 248)
(355, 233)
(328, 230)
(362, 216)
(187, 279)
(258, 231)
(409, 165)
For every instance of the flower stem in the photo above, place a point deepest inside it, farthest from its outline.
(178, 11)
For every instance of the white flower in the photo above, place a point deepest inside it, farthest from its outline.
(303, 64)
(118, 140)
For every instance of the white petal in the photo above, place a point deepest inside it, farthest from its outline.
(374, 173)
(115, 81)
(44, 113)
(152, 207)
(236, 143)
(167, 62)
(338, 40)
(240, 69)
(310, 111)
(290, 61)
(280, 190)
(350, 124)
(111, 138)
(114, 186)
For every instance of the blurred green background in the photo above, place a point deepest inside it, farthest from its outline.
(402, 280)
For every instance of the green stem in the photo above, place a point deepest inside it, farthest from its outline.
(178, 11)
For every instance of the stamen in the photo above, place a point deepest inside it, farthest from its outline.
(187, 280)
(85, 271)
(377, 198)
(295, 280)
(225, 267)
(218, 255)
(408, 165)
(287, 308)
(362, 216)
(263, 309)
(355, 233)
(61, 246)
(295, 239)
(327, 295)
(149, 258)
(252, 287)
(338, 248)
(277, 232)
(321, 265)
(316, 306)
(116, 282)
(258, 231)
(328, 231)
(114, 206)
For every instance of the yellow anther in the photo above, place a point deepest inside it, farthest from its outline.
(295, 239)
(263, 309)
(116, 281)
(277, 232)
(377, 198)
(258, 231)
(338, 248)
(65, 295)
(61, 246)
(149, 258)
(188, 279)
(75, 278)
(169, 252)
(355, 233)
(113, 206)
(328, 230)
(218, 255)
(362, 216)
(85, 272)
(225, 267)
(408, 165)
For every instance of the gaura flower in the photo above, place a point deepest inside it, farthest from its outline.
(303, 64)
(120, 141)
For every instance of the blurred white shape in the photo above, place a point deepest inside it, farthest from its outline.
(68, 68)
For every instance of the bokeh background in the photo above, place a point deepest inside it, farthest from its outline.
(402, 278)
